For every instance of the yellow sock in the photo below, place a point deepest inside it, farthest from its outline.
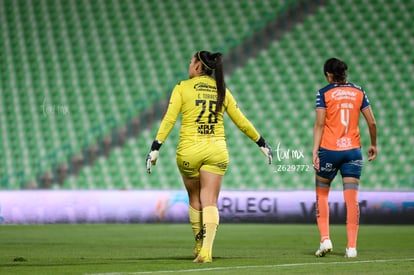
(210, 222)
(197, 227)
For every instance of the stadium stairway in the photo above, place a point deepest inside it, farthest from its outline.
(276, 89)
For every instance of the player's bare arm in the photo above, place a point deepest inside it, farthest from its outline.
(317, 136)
(372, 126)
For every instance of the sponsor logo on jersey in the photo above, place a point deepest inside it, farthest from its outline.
(343, 94)
(206, 129)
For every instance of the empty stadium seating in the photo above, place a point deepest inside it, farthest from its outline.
(72, 71)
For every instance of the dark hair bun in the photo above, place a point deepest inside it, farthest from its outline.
(209, 59)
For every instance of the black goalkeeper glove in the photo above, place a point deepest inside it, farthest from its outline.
(265, 148)
(153, 155)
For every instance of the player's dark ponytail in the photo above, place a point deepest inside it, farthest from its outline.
(337, 68)
(214, 62)
(221, 86)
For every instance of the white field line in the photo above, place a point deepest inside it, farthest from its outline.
(252, 267)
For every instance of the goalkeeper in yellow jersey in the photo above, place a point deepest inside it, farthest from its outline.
(202, 156)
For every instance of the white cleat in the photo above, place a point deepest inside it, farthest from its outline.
(350, 252)
(324, 248)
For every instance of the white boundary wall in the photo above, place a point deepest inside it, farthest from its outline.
(137, 206)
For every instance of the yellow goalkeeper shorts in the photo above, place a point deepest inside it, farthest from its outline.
(210, 155)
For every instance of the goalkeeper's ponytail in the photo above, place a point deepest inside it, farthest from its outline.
(221, 85)
(214, 62)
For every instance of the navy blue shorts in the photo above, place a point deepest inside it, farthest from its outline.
(349, 162)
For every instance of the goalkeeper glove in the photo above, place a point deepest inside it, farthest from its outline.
(153, 155)
(265, 148)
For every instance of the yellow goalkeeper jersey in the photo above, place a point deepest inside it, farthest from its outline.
(196, 100)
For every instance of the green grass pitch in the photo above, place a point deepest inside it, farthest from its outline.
(167, 249)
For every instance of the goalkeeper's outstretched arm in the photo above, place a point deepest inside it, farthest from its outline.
(247, 127)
